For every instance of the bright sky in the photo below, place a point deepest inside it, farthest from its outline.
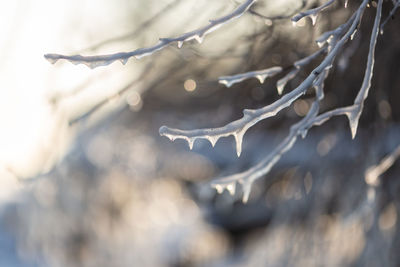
(33, 134)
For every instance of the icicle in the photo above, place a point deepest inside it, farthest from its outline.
(124, 61)
(281, 83)
(238, 138)
(303, 133)
(246, 191)
(353, 34)
(313, 18)
(248, 112)
(261, 78)
(353, 121)
(231, 188)
(330, 39)
(180, 44)
(199, 38)
(93, 64)
(190, 142)
(320, 43)
(212, 139)
(226, 82)
(321, 40)
(145, 54)
(170, 137)
(50, 59)
(219, 188)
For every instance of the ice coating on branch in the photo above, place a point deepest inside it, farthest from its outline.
(372, 173)
(50, 58)
(212, 135)
(261, 75)
(250, 117)
(391, 15)
(281, 83)
(366, 85)
(304, 61)
(329, 36)
(312, 13)
(198, 35)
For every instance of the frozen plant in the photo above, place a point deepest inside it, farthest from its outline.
(330, 44)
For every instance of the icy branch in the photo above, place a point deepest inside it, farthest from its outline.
(247, 177)
(391, 15)
(305, 61)
(281, 83)
(261, 75)
(250, 117)
(312, 13)
(372, 173)
(366, 85)
(123, 57)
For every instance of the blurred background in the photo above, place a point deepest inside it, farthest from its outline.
(86, 180)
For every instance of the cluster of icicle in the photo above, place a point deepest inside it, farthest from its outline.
(123, 57)
(331, 44)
